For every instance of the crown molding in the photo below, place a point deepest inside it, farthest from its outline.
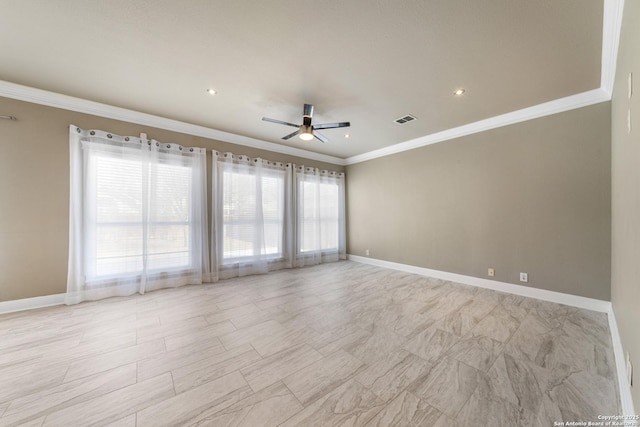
(611, 25)
(583, 99)
(65, 102)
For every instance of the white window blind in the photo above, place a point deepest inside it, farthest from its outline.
(124, 239)
(320, 216)
(253, 209)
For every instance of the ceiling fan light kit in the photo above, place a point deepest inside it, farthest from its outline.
(306, 131)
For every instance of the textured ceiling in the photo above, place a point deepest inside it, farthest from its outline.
(368, 62)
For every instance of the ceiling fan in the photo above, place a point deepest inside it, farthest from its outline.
(306, 130)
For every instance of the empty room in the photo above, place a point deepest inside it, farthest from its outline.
(305, 213)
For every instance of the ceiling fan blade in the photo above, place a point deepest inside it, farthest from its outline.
(291, 135)
(332, 125)
(280, 122)
(321, 137)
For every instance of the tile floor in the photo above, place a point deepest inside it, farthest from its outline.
(336, 344)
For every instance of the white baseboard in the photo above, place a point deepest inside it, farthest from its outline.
(526, 291)
(626, 400)
(31, 303)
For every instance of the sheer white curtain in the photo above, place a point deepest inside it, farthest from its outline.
(251, 201)
(319, 212)
(138, 216)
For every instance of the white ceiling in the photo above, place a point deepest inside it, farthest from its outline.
(364, 61)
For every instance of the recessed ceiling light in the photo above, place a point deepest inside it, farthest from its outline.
(346, 135)
(459, 92)
(212, 91)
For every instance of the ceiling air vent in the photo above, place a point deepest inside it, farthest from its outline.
(405, 119)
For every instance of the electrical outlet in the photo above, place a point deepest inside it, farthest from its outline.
(491, 272)
(524, 277)
(366, 252)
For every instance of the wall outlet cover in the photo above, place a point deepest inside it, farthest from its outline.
(524, 277)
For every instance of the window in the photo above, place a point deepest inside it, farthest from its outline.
(253, 213)
(117, 246)
(138, 216)
(320, 216)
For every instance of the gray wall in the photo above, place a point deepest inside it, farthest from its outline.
(531, 197)
(34, 190)
(625, 170)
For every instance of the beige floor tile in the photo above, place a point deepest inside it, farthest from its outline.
(321, 377)
(372, 348)
(351, 404)
(250, 333)
(268, 407)
(20, 381)
(129, 421)
(196, 406)
(68, 394)
(489, 410)
(274, 368)
(407, 410)
(178, 327)
(447, 386)
(214, 366)
(336, 339)
(431, 343)
(115, 405)
(38, 422)
(234, 314)
(37, 351)
(477, 351)
(269, 344)
(113, 359)
(390, 375)
(207, 333)
(165, 362)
